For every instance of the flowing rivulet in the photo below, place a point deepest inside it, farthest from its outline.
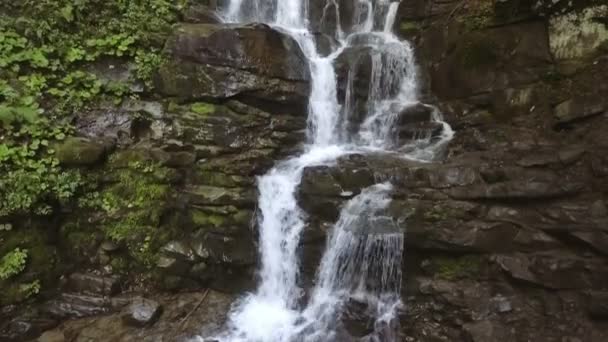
(362, 261)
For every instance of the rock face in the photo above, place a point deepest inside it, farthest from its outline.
(222, 61)
(506, 235)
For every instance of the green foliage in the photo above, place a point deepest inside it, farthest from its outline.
(29, 289)
(132, 208)
(146, 63)
(32, 177)
(47, 51)
(13, 263)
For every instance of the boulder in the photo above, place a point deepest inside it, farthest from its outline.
(578, 108)
(93, 284)
(222, 61)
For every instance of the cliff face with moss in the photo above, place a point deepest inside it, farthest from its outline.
(132, 132)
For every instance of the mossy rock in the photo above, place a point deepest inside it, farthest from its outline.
(453, 268)
(220, 179)
(202, 108)
(75, 151)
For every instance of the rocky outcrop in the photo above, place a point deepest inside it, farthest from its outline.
(222, 61)
(506, 236)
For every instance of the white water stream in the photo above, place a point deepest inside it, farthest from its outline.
(357, 265)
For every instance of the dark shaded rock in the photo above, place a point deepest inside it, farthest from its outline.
(577, 109)
(25, 327)
(555, 271)
(222, 61)
(486, 61)
(173, 265)
(516, 190)
(598, 305)
(141, 312)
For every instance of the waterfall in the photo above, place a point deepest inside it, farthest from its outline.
(362, 261)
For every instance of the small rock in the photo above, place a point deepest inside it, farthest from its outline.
(502, 304)
(179, 249)
(172, 265)
(109, 246)
(141, 312)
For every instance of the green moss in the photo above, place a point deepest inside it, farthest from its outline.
(31, 272)
(410, 27)
(202, 108)
(203, 219)
(457, 268)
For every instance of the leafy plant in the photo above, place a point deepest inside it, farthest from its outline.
(32, 175)
(13, 263)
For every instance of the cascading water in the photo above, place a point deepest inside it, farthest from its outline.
(360, 262)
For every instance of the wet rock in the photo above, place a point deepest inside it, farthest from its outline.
(201, 14)
(323, 16)
(179, 249)
(94, 284)
(141, 312)
(598, 305)
(79, 151)
(222, 61)
(72, 305)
